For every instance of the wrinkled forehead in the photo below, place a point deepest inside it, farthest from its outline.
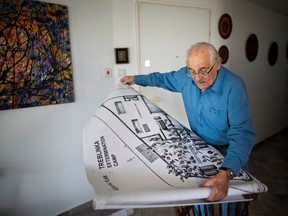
(198, 59)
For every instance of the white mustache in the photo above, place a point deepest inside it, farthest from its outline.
(202, 81)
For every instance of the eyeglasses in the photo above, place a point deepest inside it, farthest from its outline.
(200, 72)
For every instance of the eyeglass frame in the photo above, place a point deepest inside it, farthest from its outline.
(201, 73)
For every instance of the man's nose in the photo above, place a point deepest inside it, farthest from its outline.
(197, 77)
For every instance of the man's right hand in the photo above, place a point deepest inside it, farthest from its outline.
(129, 80)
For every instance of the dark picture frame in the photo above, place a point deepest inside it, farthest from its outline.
(121, 56)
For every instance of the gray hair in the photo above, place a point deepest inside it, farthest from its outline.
(213, 54)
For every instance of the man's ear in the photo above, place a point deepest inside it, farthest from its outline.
(219, 63)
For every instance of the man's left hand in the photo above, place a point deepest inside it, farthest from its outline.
(219, 186)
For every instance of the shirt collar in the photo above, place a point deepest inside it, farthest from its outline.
(218, 84)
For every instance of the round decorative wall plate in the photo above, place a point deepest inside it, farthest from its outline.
(225, 26)
(273, 53)
(251, 47)
(287, 51)
(224, 53)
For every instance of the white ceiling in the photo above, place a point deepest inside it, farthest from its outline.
(279, 6)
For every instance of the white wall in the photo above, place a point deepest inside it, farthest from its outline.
(41, 162)
(41, 156)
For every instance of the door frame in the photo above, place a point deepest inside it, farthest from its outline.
(157, 2)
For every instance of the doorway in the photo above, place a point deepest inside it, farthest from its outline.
(165, 32)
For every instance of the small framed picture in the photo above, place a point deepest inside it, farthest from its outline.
(121, 56)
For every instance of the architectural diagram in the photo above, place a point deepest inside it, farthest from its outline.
(136, 155)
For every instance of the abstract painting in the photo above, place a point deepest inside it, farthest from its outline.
(35, 54)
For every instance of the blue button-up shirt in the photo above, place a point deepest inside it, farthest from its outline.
(220, 115)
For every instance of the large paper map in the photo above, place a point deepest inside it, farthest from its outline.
(138, 156)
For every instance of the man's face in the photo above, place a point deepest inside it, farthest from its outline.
(199, 66)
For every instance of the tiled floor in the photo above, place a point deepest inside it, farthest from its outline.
(268, 163)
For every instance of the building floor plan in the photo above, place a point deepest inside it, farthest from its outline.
(136, 155)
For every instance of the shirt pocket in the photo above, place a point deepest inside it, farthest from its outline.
(216, 117)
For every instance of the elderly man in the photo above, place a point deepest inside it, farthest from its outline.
(217, 108)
